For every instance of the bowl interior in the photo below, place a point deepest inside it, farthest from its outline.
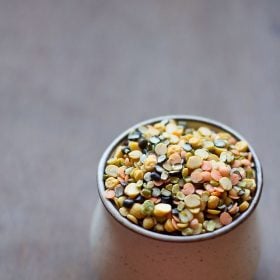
(192, 122)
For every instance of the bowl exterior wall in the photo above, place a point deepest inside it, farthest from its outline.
(119, 253)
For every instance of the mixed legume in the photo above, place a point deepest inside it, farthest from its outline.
(174, 179)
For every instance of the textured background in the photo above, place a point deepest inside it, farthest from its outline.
(74, 74)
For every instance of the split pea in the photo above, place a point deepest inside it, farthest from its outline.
(162, 209)
(225, 183)
(131, 190)
(192, 200)
(148, 223)
(194, 162)
(243, 206)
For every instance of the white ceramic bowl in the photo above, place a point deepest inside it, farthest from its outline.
(133, 252)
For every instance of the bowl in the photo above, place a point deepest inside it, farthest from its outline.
(193, 122)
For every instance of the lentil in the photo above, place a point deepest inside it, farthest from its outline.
(146, 193)
(155, 192)
(111, 183)
(168, 226)
(166, 199)
(132, 219)
(185, 216)
(123, 211)
(135, 154)
(128, 203)
(119, 191)
(109, 194)
(133, 146)
(219, 143)
(225, 218)
(192, 200)
(188, 189)
(161, 159)
(164, 175)
(148, 223)
(138, 174)
(201, 153)
(155, 176)
(143, 143)
(162, 209)
(225, 183)
(131, 190)
(174, 179)
(243, 206)
(196, 177)
(187, 147)
(159, 228)
(194, 162)
(112, 170)
(136, 211)
(213, 202)
(150, 163)
(165, 192)
(241, 146)
(161, 149)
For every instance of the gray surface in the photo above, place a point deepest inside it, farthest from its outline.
(74, 74)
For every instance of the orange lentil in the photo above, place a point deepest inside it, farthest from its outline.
(235, 152)
(188, 189)
(121, 172)
(194, 223)
(232, 140)
(216, 193)
(176, 218)
(233, 192)
(246, 162)
(233, 197)
(109, 194)
(127, 162)
(121, 179)
(153, 199)
(216, 175)
(175, 158)
(196, 177)
(219, 189)
(209, 188)
(199, 191)
(158, 183)
(174, 223)
(183, 154)
(234, 209)
(224, 171)
(206, 175)
(206, 165)
(235, 178)
(236, 163)
(225, 218)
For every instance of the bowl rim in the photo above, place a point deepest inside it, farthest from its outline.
(170, 238)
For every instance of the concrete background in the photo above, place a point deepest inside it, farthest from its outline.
(74, 74)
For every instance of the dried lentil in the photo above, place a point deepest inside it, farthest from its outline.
(194, 162)
(131, 190)
(162, 209)
(171, 178)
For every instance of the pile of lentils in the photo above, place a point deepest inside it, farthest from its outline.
(174, 179)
